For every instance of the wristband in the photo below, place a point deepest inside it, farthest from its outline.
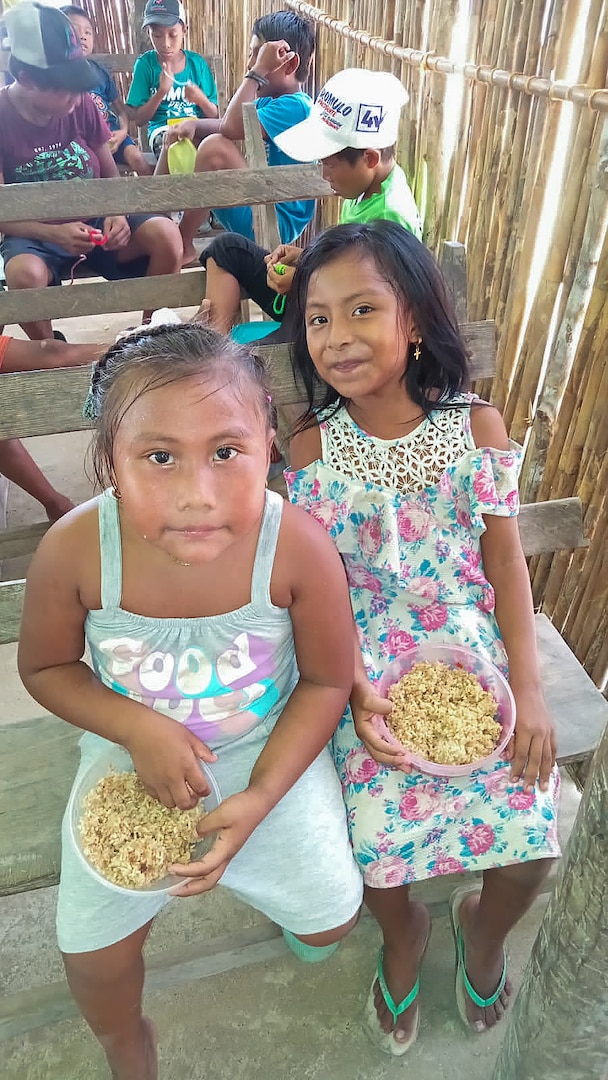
(261, 80)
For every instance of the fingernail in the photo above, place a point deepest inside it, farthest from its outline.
(479, 1026)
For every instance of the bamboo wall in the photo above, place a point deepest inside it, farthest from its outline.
(478, 146)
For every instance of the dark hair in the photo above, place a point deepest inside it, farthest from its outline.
(418, 284)
(286, 26)
(350, 154)
(155, 357)
(73, 9)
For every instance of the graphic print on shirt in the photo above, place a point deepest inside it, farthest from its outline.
(218, 699)
(101, 103)
(177, 103)
(56, 162)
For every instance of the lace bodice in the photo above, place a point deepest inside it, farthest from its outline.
(408, 464)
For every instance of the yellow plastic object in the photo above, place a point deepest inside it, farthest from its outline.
(181, 157)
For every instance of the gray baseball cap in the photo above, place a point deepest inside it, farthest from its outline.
(43, 37)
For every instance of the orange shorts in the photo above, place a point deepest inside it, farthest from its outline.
(4, 342)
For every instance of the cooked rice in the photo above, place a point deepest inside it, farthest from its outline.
(443, 714)
(129, 837)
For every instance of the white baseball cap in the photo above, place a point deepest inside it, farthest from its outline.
(356, 108)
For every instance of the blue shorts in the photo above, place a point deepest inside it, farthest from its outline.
(59, 262)
(119, 156)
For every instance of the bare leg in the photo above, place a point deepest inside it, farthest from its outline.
(160, 240)
(137, 162)
(215, 152)
(328, 937)
(30, 272)
(21, 469)
(107, 986)
(486, 919)
(405, 929)
(223, 296)
(35, 355)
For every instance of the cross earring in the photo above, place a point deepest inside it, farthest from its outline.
(417, 349)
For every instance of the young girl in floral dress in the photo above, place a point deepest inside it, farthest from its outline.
(416, 482)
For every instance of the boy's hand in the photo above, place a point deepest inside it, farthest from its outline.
(185, 130)
(532, 749)
(166, 756)
(234, 821)
(118, 232)
(366, 703)
(74, 237)
(116, 139)
(281, 283)
(166, 81)
(288, 254)
(271, 57)
(194, 94)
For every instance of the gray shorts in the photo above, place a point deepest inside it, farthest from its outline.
(297, 868)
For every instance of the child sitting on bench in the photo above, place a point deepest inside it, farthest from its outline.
(170, 83)
(352, 130)
(281, 50)
(107, 99)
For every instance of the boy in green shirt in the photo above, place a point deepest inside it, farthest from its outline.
(352, 129)
(170, 83)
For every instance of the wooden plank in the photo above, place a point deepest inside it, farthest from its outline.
(32, 801)
(453, 262)
(578, 709)
(21, 541)
(265, 224)
(160, 194)
(551, 526)
(43, 402)
(102, 297)
(123, 62)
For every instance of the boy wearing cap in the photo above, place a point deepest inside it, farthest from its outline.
(170, 83)
(352, 130)
(51, 130)
(107, 99)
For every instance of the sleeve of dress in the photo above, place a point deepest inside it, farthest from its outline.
(491, 483)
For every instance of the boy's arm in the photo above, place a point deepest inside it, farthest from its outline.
(141, 106)
(270, 58)
(196, 96)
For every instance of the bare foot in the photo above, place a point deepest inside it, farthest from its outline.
(190, 254)
(400, 964)
(484, 963)
(135, 1057)
(57, 507)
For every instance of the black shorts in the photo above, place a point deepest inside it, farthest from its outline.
(245, 261)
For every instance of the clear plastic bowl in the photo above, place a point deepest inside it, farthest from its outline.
(118, 759)
(453, 656)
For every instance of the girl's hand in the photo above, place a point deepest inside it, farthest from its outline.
(365, 703)
(166, 757)
(234, 821)
(532, 749)
(288, 254)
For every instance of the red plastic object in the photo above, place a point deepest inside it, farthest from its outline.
(99, 241)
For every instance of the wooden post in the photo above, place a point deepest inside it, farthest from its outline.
(559, 1023)
(139, 37)
(453, 263)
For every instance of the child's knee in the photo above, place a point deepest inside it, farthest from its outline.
(527, 874)
(160, 235)
(328, 937)
(217, 152)
(26, 272)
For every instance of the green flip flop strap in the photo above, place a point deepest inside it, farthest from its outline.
(483, 1003)
(278, 304)
(396, 1010)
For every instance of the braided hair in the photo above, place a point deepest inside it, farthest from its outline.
(155, 357)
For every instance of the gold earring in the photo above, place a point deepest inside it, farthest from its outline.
(417, 349)
(116, 493)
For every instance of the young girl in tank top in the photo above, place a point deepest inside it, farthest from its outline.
(416, 483)
(203, 599)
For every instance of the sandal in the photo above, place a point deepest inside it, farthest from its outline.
(384, 1040)
(463, 985)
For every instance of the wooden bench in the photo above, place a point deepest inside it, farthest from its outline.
(38, 758)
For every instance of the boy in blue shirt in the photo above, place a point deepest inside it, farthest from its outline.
(281, 49)
(107, 99)
(170, 83)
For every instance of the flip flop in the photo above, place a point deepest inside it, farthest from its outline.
(463, 986)
(386, 1041)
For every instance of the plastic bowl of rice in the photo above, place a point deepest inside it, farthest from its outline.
(124, 837)
(452, 710)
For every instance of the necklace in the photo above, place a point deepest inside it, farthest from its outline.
(179, 562)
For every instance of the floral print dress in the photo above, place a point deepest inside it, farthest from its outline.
(406, 516)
